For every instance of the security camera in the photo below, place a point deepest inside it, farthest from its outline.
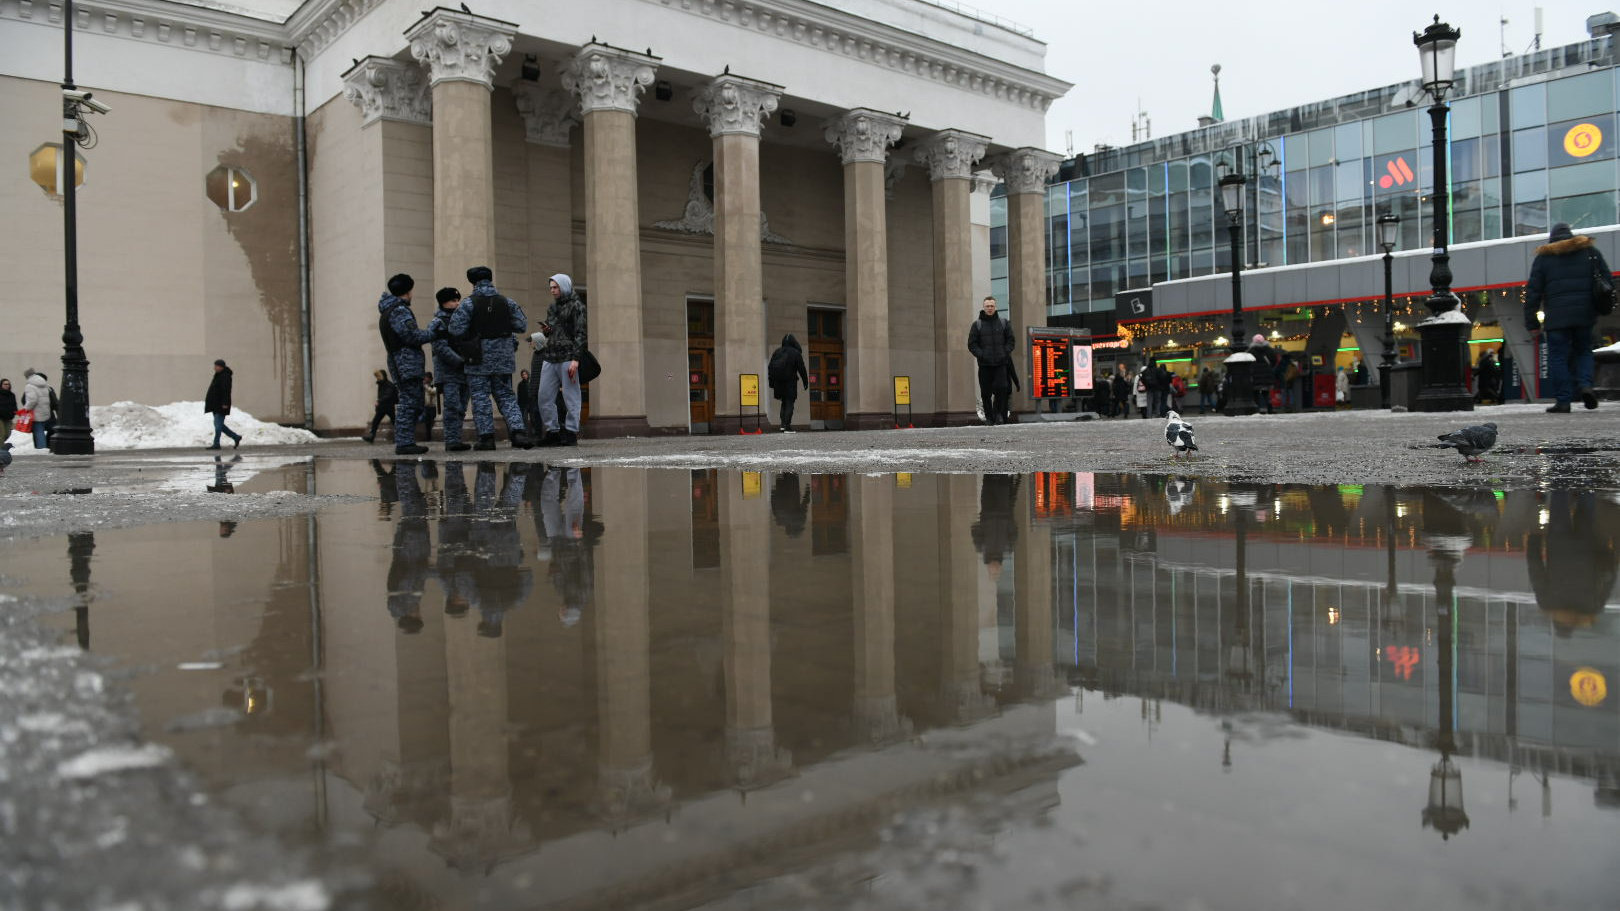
(86, 99)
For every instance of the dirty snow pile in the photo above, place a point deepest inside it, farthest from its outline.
(130, 425)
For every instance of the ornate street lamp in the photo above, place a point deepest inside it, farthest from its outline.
(72, 435)
(1445, 332)
(1233, 184)
(1389, 234)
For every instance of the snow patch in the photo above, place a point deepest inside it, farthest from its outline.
(1242, 357)
(799, 457)
(131, 425)
(305, 895)
(1450, 316)
(1608, 349)
(103, 760)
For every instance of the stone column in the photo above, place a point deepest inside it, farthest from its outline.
(950, 157)
(1033, 669)
(960, 565)
(745, 604)
(460, 52)
(877, 711)
(1025, 172)
(609, 82)
(735, 109)
(549, 119)
(863, 138)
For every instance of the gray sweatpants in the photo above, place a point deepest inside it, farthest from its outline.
(552, 378)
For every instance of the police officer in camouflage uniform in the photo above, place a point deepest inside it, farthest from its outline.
(404, 342)
(491, 318)
(449, 369)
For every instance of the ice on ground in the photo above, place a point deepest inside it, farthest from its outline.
(798, 457)
(131, 425)
(102, 760)
(305, 895)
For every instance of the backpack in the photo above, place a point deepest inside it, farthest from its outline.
(779, 372)
(54, 408)
(389, 339)
(1178, 385)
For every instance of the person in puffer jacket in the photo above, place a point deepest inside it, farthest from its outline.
(1560, 290)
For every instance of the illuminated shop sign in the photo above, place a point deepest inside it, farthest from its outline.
(1583, 139)
(1395, 173)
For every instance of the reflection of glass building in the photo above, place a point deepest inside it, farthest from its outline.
(1531, 143)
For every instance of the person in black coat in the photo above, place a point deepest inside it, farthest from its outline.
(8, 408)
(997, 530)
(991, 342)
(387, 399)
(785, 372)
(1560, 289)
(218, 403)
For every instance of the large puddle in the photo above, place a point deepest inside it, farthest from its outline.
(508, 686)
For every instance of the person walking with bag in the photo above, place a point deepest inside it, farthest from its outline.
(387, 401)
(567, 337)
(786, 373)
(38, 398)
(8, 409)
(1570, 286)
(218, 403)
(990, 340)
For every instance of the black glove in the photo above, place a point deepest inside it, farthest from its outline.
(441, 331)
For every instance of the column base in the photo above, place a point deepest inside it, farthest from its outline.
(878, 420)
(1444, 358)
(596, 428)
(730, 424)
(953, 419)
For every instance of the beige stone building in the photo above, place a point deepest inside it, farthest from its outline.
(713, 174)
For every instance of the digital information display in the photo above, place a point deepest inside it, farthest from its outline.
(1059, 362)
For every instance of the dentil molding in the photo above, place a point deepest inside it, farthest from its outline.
(548, 114)
(951, 153)
(1026, 170)
(457, 47)
(608, 78)
(862, 134)
(388, 89)
(735, 105)
(196, 29)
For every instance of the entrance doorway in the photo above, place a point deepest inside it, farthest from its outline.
(700, 362)
(826, 368)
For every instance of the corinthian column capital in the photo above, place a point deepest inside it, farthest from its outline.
(862, 134)
(548, 114)
(608, 78)
(460, 47)
(1026, 170)
(951, 153)
(386, 89)
(735, 105)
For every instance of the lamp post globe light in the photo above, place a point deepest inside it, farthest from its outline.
(1445, 332)
(72, 435)
(1389, 235)
(1233, 183)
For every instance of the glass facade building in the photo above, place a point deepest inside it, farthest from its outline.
(1531, 142)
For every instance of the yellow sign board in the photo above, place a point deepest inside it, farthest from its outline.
(752, 483)
(749, 387)
(902, 390)
(1588, 686)
(903, 479)
(1583, 139)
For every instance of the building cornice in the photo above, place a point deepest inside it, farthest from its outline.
(829, 29)
(193, 28)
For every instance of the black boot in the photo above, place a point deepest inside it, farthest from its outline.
(456, 447)
(520, 440)
(569, 438)
(552, 438)
(486, 443)
(410, 449)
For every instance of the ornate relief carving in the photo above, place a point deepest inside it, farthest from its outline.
(699, 215)
(457, 47)
(893, 171)
(1026, 170)
(608, 78)
(863, 134)
(732, 104)
(951, 153)
(386, 89)
(548, 114)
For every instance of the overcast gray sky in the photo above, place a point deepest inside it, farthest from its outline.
(1273, 53)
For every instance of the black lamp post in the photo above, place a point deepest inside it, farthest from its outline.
(1233, 184)
(72, 435)
(1445, 332)
(1389, 234)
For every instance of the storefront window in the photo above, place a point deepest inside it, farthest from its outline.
(1587, 211)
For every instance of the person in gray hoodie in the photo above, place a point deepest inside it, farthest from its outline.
(566, 340)
(490, 317)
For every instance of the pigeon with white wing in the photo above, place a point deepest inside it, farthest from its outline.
(1179, 434)
(1470, 441)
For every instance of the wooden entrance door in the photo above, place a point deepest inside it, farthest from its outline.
(826, 365)
(700, 363)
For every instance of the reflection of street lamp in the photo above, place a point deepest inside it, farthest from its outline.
(81, 546)
(1233, 182)
(1389, 234)
(1445, 331)
(1240, 656)
(1446, 535)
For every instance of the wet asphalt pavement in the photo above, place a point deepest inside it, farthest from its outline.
(92, 800)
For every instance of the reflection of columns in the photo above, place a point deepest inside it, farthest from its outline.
(877, 713)
(1025, 171)
(460, 52)
(863, 138)
(959, 566)
(1032, 579)
(735, 108)
(412, 777)
(608, 82)
(950, 157)
(745, 557)
(548, 121)
(626, 790)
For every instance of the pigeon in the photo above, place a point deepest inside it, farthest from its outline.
(1178, 493)
(1470, 441)
(5, 456)
(1179, 435)
(466, 9)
